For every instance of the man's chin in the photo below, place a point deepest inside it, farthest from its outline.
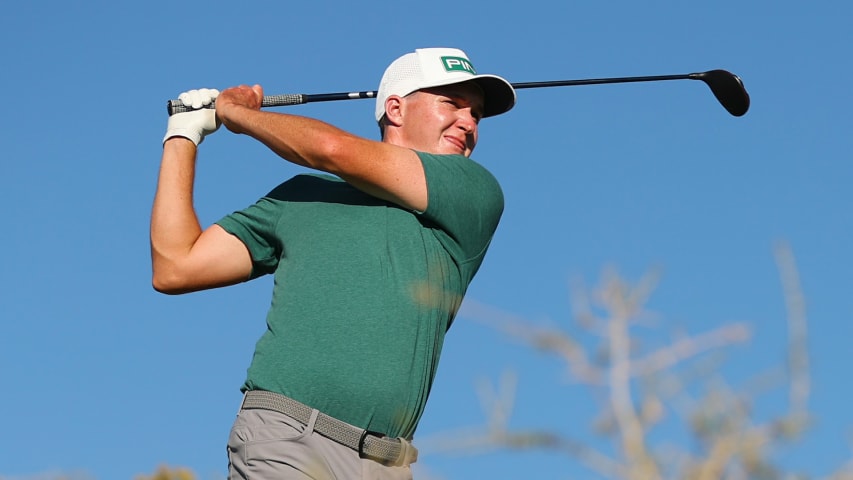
(455, 150)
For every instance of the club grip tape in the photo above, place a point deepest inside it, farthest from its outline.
(176, 106)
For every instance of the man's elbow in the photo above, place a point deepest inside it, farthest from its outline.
(165, 288)
(169, 283)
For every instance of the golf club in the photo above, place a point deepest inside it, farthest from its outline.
(726, 86)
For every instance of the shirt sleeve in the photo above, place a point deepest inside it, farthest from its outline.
(464, 200)
(255, 226)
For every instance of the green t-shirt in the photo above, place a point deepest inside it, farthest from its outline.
(365, 290)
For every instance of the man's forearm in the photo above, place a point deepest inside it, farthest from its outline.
(300, 140)
(174, 223)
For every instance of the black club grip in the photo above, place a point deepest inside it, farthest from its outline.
(176, 106)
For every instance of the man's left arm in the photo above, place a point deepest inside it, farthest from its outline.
(386, 171)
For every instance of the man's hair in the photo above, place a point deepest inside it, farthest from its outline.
(383, 122)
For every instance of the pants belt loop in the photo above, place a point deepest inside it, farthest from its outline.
(243, 401)
(407, 453)
(312, 420)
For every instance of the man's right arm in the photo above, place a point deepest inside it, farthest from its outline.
(185, 258)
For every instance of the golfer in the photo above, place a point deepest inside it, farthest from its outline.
(371, 257)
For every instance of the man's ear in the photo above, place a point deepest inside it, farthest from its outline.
(394, 110)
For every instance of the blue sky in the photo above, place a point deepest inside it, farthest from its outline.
(103, 376)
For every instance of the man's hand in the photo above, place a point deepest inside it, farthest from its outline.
(232, 101)
(198, 123)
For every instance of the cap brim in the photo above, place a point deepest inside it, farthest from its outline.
(499, 96)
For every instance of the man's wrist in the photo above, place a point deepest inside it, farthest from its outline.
(179, 144)
(235, 117)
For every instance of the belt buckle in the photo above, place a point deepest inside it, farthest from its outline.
(361, 452)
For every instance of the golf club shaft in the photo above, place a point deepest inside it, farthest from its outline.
(176, 106)
(600, 81)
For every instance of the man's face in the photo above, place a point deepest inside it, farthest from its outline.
(444, 119)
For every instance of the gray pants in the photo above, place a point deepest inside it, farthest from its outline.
(267, 445)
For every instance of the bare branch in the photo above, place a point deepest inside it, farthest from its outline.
(498, 405)
(639, 387)
(798, 358)
(548, 340)
(472, 442)
(688, 347)
(622, 304)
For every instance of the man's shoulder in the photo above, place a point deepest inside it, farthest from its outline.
(454, 163)
(447, 157)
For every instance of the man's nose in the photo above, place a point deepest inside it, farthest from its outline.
(467, 122)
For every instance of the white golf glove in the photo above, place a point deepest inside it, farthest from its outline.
(196, 124)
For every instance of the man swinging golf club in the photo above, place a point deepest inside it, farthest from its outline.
(371, 262)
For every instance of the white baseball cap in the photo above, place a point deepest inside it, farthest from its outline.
(435, 67)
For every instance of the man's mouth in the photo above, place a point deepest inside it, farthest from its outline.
(458, 143)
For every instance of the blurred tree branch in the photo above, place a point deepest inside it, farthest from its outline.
(647, 386)
(167, 473)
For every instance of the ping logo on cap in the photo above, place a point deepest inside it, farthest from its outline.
(458, 64)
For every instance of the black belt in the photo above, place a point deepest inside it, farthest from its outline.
(375, 446)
